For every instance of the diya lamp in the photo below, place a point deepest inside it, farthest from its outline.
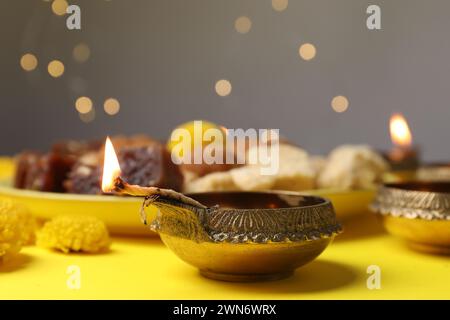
(410, 208)
(434, 172)
(403, 156)
(417, 212)
(234, 236)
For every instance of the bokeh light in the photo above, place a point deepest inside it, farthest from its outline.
(243, 24)
(81, 52)
(279, 5)
(28, 62)
(111, 106)
(223, 87)
(83, 105)
(55, 68)
(307, 51)
(59, 7)
(339, 104)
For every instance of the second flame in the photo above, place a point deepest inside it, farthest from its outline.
(400, 132)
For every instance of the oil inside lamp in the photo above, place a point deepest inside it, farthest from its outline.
(403, 156)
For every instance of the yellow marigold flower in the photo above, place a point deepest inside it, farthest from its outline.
(10, 232)
(29, 227)
(27, 223)
(17, 227)
(74, 234)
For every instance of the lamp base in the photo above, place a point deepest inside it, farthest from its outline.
(245, 277)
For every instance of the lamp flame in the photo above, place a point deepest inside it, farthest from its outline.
(400, 132)
(111, 167)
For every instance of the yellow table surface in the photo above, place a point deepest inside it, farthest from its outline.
(141, 268)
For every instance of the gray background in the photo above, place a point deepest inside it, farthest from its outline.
(162, 58)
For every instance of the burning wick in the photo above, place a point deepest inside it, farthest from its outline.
(113, 183)
(111, 167)
(403, 155)
(400, 132)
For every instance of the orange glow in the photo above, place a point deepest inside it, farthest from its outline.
(400, 132)
(111, 167)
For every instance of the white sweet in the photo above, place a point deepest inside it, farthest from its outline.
(249, 178)
(216, 181)
(352, 167)
(296, 171)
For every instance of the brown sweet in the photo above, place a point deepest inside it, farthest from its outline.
(121, 141)
(146, 166)
(42, 172)
(85, 175)
(76, 166)
(75, 148)
(46, 172)
(150, 166)
(24, 161)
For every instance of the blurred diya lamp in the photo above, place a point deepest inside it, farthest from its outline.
(434, 172)
(418, 212)
(403, 155)
(234, 236)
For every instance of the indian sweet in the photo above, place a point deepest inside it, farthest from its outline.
(216, 181)
(76, 167)
(352, 167)
(295, 172)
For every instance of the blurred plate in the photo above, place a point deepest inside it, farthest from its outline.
(347, 203)
(6, 167)
(121, 214)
